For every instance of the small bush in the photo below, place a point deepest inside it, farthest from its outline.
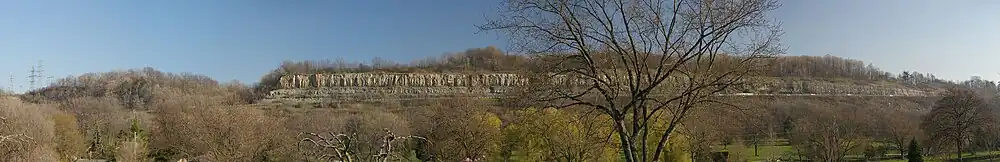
(31, 130)
(69, 139)
(194, 129)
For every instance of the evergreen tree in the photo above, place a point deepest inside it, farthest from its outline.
(913, 155)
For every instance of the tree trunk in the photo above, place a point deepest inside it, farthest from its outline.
(902, 153)
(755, 152)
(626, 144)
(958, 143)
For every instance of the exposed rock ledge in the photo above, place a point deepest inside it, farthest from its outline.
(398, 80)
(352, 86)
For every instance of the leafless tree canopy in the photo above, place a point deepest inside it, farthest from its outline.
(955, 117)
(828, 133)
(630, 48)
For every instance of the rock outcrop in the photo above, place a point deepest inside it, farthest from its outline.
(820, 87)
(353, 86)
(398, 80)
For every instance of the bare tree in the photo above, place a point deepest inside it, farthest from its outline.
(827, 133)
(955, 117)
(896, 128)
(12, 139)
(195, 128)
(755, 128)
(459, 129)
(134, 92)
(27, 132)
(340, 144)
(622, 51)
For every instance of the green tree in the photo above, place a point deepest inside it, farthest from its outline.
(556, 135)
(913, 154)
(133, 146)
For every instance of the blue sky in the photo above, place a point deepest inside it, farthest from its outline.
(243, 39)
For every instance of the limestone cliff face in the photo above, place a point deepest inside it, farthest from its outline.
(819, 87)
(399, 80)
(383, 85)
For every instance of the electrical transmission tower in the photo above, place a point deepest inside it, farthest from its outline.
(36, 75)
(41, 78)
(31, 78)
(10, 82)
(46, 80)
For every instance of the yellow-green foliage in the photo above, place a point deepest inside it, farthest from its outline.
(677, 146)
(491, 122)
(677, 149)
(561, 135)
(69, 139)
(556, 135)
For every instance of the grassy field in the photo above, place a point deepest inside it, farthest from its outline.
(764, 152)
(979, 157)
(782, 149)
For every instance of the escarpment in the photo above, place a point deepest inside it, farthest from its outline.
(398, 80)
(367, 86)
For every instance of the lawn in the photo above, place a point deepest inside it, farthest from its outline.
(979, 157)
(764, 152)
(777, 149)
